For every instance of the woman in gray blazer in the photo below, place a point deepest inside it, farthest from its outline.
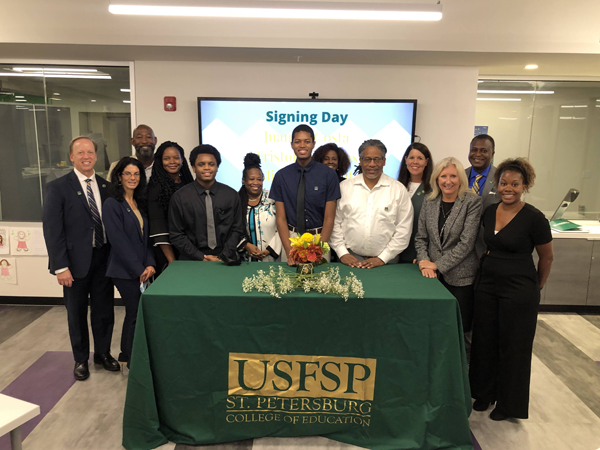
(448, 226)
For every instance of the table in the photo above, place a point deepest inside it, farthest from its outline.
(13, 414)
(213, 364)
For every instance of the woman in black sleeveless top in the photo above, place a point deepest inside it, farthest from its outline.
(507, 295)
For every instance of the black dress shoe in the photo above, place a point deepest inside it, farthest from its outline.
(480, 405)
(81, 371)
(498, 415)
(107, 361)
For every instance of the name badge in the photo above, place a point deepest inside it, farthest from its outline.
(316, 188)
(78, 192)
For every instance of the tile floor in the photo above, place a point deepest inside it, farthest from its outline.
(36, 365)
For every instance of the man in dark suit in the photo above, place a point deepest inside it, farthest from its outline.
(481, 177)
(78, 255)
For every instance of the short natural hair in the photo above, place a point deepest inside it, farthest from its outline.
(462, 177)
(79, 138)
(205, 148)
(343, 159)
(520, 165)
(372, 143)
(304, 128)
(486, 137)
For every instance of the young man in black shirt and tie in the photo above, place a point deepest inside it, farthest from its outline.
(205, 217)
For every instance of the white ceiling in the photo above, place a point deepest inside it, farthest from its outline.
(500, 37)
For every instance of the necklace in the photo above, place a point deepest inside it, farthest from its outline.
(445, 214)
(443, 208)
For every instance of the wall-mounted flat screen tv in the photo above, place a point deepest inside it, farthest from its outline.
(236, 126)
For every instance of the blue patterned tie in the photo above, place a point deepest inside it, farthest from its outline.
(98, 230)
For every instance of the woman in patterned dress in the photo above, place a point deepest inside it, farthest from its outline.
(261, 242)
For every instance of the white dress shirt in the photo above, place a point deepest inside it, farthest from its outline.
(372, 222)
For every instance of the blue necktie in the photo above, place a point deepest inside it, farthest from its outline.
(98, 229)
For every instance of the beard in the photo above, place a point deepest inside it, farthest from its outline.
(145, 151)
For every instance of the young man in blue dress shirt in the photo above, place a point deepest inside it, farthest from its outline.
(304, 182)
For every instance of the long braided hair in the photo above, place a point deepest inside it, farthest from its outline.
(163, 180)
(251, 161)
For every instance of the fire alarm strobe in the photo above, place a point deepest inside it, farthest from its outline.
(170, 104)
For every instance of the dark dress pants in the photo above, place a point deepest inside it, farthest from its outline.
(506, 306)
(97, 290)
(130, 293)
(466, 298)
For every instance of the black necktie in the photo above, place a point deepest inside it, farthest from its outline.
(300, 223)
(98, 230)
(210, 222)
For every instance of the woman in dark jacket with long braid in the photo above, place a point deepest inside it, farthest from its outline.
(169, 173)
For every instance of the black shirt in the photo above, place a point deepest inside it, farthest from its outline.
(445, 208)
(187, 221)
(528, 229)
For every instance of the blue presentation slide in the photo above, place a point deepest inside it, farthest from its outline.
(237, 127)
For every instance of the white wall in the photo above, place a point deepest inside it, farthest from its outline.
(445, 108)
(445, 111)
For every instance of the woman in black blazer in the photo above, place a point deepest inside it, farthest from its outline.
(448, 227)
(131, 260)
(170, 172)
(415, 174)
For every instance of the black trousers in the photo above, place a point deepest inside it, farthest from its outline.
(97, 290)
(466, 298)
(507, 298)
(130, 293)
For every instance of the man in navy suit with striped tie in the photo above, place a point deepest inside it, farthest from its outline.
(481, 177)
(78, 254)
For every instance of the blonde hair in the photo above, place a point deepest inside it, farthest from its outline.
(462, 177)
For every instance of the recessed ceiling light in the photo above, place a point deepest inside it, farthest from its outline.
(531, 66)
(295, 10)
(499, 91)
(20, 100)
(125, 90)
(56, 93)
(93, 101)
(499, 99)
(19, 96)
(55, 99)
(51, 69)
(126, 101)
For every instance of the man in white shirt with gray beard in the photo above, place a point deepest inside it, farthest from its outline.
(373, 219)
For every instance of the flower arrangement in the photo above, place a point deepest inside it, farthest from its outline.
(278, 283)
(308, 249)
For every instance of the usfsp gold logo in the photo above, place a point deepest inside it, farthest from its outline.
(304, 389)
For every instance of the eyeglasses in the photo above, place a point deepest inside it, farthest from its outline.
(368, 160)
(131, 175)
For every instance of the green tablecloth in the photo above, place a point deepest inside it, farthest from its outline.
(384, 372)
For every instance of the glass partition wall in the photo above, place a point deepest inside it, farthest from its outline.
(556, 124)
(43, 107)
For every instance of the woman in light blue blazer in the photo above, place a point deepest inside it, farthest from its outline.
(131, 260)
(448, 226)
